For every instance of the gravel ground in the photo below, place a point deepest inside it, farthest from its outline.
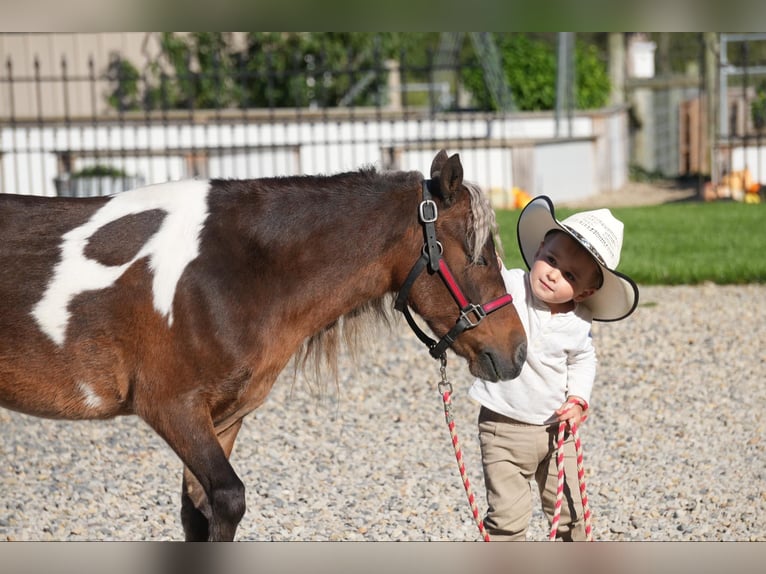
(675, 448)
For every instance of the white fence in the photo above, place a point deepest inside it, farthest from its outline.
(499, 152)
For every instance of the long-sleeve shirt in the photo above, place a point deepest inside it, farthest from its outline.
(561, 359)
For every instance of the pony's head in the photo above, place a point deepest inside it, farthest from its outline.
(466, 286)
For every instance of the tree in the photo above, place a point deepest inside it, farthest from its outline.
(289, 69)
(530, 67)
(294, 69)
(592, 84)
(329, 69)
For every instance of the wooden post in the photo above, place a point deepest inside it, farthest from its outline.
(712, 96)
(617, 67)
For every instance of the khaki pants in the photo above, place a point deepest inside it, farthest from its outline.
(513, 453)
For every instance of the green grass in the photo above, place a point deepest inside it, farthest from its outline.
(680, 243)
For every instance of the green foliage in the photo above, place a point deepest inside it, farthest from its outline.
(99, 171)
(125, 91)
(674, 244)
(328, 69)
(194, 72)
(592, 85)
(209, 87)
(641, 174)
(758, 107)
(274, 69)
(530, 67)
(299, 70)
(676, 51)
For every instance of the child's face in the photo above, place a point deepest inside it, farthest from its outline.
(563, 271)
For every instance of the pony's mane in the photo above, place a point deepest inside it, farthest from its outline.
(482, 222)
(322, 349)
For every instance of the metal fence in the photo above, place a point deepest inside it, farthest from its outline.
(99, 131)
(84, 134)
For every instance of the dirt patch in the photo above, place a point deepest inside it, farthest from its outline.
(635, 194)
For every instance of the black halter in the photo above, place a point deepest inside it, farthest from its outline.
(470, 314)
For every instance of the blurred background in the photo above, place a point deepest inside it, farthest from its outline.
(566, 114)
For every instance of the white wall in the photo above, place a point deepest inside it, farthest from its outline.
(31, 155)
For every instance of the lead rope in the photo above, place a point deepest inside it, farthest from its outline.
(445, 389)
(580, 479)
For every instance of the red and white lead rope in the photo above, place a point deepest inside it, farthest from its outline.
(580, 479)
(446, 390)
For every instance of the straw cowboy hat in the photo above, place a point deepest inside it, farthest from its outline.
(597, 231)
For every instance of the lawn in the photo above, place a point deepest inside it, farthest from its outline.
(679, 243)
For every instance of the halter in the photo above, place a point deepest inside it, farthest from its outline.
(431, 257)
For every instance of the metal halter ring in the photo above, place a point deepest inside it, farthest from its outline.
(438, 244)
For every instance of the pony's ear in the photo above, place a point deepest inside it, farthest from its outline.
(448, 171)
(438, 162)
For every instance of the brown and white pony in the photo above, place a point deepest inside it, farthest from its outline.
(182, 302)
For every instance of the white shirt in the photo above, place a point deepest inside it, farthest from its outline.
(561, 359)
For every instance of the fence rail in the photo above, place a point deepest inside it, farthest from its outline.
(77, 144)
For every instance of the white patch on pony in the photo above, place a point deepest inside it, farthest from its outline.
(90, 398)
(170, 249)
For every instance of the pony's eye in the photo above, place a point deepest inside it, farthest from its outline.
(479, 260)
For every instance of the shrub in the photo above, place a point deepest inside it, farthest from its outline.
(530, 68)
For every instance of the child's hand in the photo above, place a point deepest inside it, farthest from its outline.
(572, 411)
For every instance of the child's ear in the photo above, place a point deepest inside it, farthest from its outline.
(583, 295)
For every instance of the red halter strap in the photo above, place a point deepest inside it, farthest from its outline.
(454, 289)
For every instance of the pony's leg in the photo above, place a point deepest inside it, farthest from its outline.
(216, 491)
(195, 507)
(194, 520)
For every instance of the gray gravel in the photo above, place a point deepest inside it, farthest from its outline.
(674, 449)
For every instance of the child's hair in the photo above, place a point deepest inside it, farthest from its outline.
(600, 277)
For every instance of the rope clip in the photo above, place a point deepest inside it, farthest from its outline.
(444, 385)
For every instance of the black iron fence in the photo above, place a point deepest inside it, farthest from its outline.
(104, 130)
(75, 129)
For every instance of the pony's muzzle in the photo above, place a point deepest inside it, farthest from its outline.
(492, 366)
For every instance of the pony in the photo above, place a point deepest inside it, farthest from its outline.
(182, 302)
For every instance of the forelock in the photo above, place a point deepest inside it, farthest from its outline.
(483, 222)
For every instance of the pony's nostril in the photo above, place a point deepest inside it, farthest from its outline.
(521, 354)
